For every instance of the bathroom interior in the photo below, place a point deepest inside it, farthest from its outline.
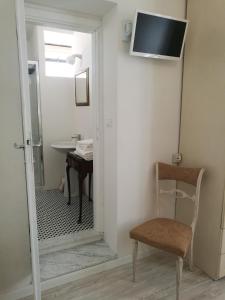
(62, 115)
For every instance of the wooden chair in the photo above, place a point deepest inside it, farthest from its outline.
(168, 234)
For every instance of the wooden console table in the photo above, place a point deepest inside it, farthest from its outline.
(84, 168)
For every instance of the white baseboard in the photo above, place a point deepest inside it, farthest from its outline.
(51, 283)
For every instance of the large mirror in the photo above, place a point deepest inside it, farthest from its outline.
(82, 88)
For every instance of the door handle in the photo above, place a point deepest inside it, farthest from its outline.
(21, 146)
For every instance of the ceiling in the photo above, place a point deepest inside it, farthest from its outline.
(92, 7)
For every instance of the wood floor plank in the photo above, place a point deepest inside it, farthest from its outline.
(155, 281)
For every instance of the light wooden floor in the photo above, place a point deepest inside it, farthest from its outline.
(155, 280)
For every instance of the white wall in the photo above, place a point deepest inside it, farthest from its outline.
(142, 96)
(57, 125)
(110, 69)
(84, 115)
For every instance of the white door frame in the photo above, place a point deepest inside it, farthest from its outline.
(25, 99)
(38, 15)
(77, 24)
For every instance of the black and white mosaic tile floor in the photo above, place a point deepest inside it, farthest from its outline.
(56, 218)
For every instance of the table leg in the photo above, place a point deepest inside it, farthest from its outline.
(68, 182)
(80, 197)
(89, 192)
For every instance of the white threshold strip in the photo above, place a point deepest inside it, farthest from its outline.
(68, 278)
(69, 241)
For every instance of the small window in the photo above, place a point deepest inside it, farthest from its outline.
(58, 47)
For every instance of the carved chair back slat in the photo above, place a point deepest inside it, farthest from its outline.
(192, 176)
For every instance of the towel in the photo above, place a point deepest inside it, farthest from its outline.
(84, 149)
(86, 156)
(85, 145)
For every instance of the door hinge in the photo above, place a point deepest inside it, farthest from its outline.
(176, 158)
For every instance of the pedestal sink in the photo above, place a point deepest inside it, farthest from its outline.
(64, 146)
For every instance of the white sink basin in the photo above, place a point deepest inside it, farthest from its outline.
(64, 146)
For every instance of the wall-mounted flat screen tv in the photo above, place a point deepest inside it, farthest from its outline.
(158, 36)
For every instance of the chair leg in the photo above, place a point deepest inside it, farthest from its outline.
(191, 257)
(179, 264)
(135, 251)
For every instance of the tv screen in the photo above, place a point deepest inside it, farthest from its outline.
(158, 36)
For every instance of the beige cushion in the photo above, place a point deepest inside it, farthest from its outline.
(166, 234)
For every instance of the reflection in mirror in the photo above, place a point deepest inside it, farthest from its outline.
(82, 88)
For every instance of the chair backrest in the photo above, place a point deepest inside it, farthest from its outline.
(191, 176)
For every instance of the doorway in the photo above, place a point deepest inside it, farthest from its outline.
(60, 68)
(58, 122)
(82, 238)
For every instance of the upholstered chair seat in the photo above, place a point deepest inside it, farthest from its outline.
(165, 234)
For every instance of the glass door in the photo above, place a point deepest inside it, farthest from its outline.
(35, 108)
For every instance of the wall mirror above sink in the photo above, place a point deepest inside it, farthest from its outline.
(82, 88)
